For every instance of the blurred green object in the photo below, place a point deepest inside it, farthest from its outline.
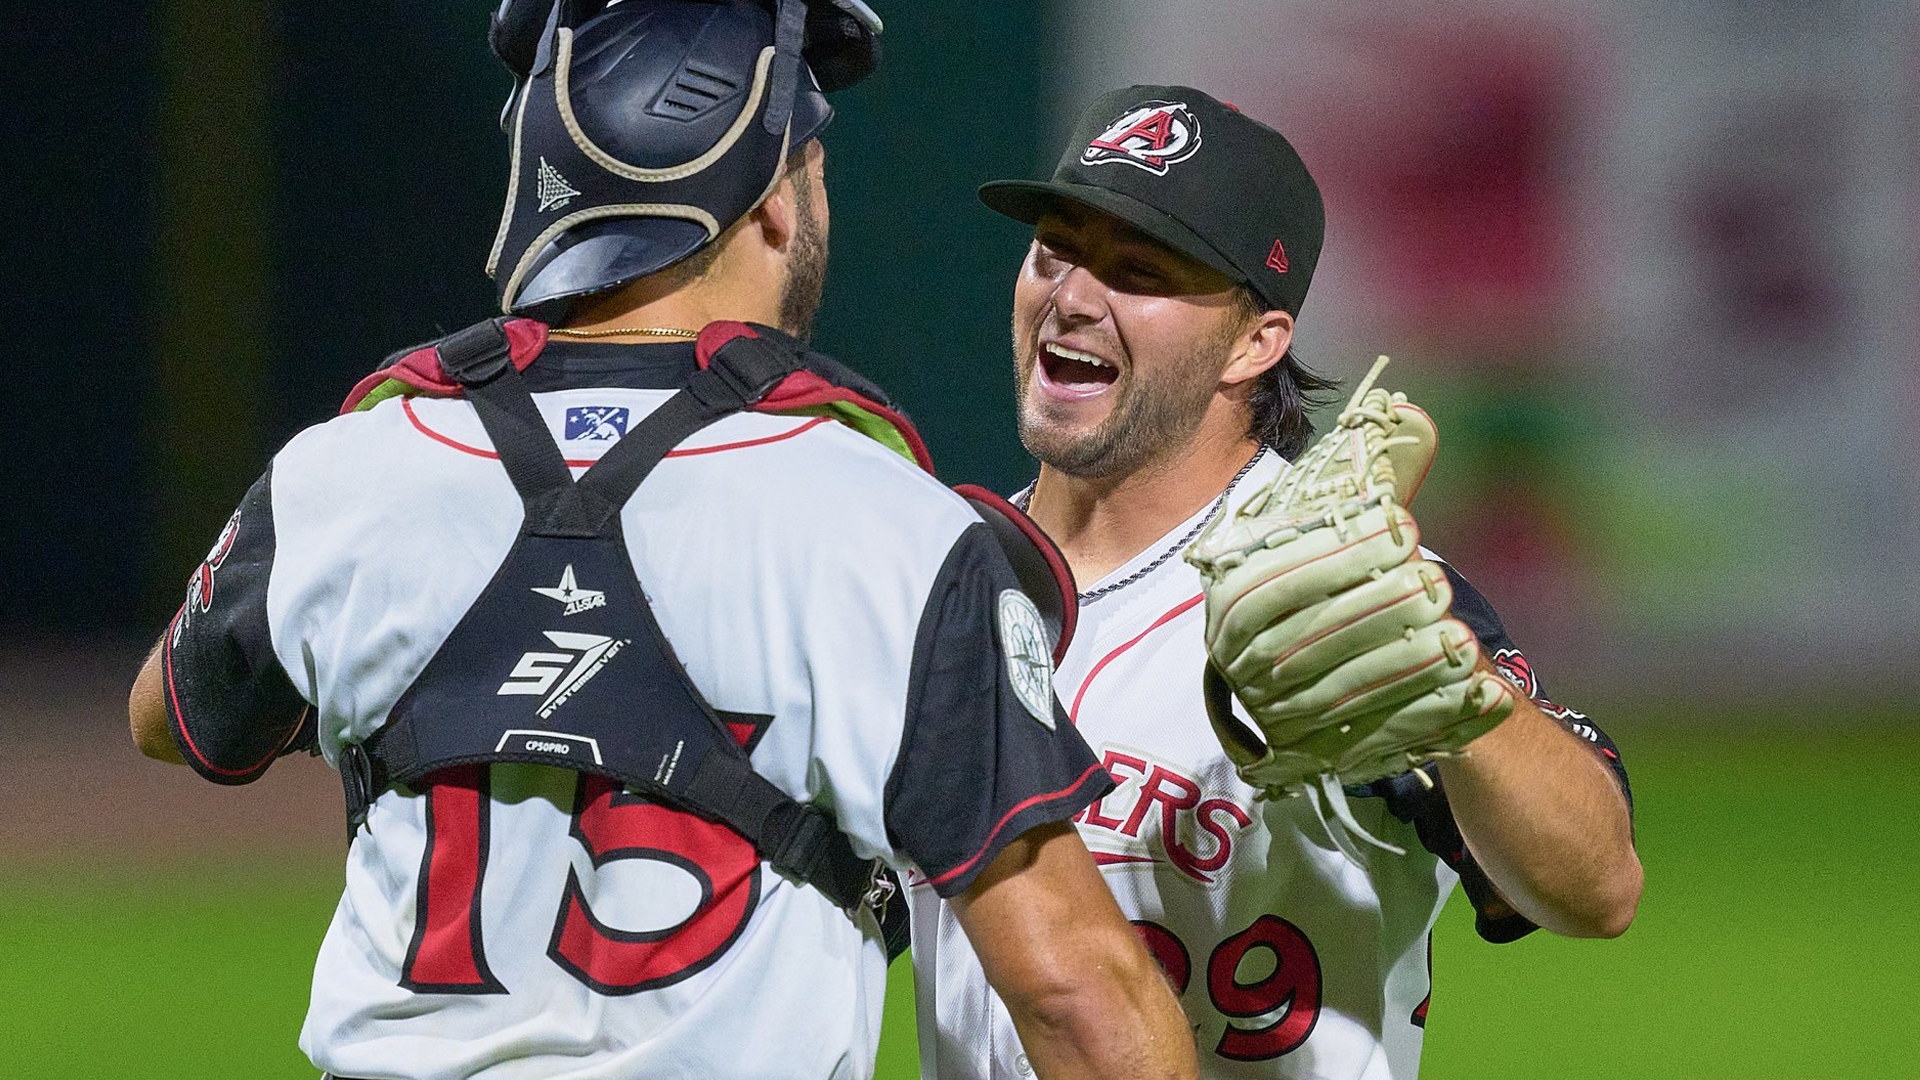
(1774, 938)
(175, 972)
(1773, 941)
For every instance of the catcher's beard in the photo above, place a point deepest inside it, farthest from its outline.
(1153, 414)
(807, 272)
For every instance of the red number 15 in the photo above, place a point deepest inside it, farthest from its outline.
(447, 955)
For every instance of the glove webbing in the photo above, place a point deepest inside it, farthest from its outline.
(1325, 795)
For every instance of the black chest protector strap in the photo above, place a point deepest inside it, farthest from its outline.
(561, 661)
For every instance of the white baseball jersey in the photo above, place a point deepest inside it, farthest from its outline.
(844, 611)
(1290, 959)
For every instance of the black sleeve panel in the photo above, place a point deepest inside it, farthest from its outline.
(1427, 807)
(976, 767)
(1470, 607)
(1432, 817)
(230, 706)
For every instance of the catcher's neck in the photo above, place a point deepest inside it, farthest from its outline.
(737, 285)
(1100, 524)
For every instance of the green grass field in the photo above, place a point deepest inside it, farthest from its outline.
(1774, 941)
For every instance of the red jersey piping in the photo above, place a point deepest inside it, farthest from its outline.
(1009, 816)
(420, 425)
(1073, 714)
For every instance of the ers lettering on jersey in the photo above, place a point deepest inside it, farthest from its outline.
(1159, 811)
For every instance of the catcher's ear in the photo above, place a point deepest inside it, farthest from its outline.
(1259, 345)
(778, 216)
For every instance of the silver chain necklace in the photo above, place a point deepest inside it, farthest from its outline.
(1178, 545)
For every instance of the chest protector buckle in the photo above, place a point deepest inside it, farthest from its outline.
(561, 662)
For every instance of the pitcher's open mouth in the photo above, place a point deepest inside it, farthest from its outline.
(1073, 369)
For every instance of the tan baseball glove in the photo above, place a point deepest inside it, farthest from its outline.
(1329, 626)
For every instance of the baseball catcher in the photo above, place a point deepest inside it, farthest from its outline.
(1329, 625)
(616, 789)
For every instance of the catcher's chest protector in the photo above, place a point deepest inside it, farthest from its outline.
(561, 662)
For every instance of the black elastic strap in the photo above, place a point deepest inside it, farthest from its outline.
(618, 474)
(738, 376)
(389, 752)
(798, 839)
(789, 33)
(481, 361)
(356, 778)
(476, 355)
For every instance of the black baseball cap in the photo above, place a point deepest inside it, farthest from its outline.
(1195, 174)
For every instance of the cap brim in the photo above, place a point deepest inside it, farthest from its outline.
(605, 254)
(1029, 200)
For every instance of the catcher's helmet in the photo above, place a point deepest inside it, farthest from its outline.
(642, 129)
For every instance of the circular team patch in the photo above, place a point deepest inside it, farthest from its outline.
(1029, 659)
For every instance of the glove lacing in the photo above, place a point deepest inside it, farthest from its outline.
(1326, 794)
(1362, 487)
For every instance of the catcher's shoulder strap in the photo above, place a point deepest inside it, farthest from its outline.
(416, 370)
(561, 661)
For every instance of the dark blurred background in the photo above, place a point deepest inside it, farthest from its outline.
(1654, 267)
(230, 211)
(1655, 270)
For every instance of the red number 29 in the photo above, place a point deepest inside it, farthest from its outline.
(1267, 1017)
(1278, 1011)
(447, 955)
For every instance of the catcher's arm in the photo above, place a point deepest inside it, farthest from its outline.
(212, 694)
(1546, 820)
(1086, 998)
(147, 713)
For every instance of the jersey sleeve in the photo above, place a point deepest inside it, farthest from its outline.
(230, 705)
(987, 752)
(1427, 808)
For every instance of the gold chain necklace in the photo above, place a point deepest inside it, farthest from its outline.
(651, 331)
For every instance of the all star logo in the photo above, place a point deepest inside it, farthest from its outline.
(552, 189)
(1150, 136)
(1164, 812)
(560, 675)
(572, 595)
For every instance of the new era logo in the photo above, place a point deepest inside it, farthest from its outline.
(1277, 258)
(596, 422)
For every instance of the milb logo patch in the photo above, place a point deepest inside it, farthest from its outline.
(596, 422)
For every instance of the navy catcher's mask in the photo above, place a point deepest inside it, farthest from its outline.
(642, 129)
